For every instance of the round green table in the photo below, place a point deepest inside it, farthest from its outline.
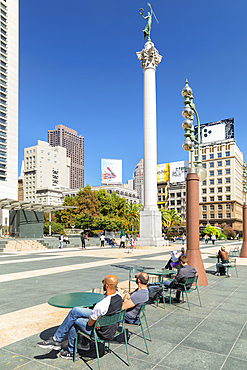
(70, 300)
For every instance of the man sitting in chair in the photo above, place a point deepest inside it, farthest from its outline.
(223, 255)
(84, 320)
(184, 273)
(134, 301)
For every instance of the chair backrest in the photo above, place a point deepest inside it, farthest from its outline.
(98, 290)
(141, 312)
(135, 270)
(232, 261)
(105, 320)
(192, 280)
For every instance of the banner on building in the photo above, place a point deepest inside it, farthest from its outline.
(178, 171)
(216, 131)
(111, 171)
(162, 172)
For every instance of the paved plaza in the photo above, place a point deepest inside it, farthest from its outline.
(212, 337)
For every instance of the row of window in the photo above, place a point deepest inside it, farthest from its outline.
(211, 199)
(220, 215)
(219, 164)
(219, 207)
(219, 181)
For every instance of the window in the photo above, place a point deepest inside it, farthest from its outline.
(228, 180)
(219, 172)
(211, 215)
(211, 208)
(172, 202)
(203, 157)
(211, 164)
(228, 215)
(228, 171)
(178, 195)
(220, 198)
(211, 190)
(204, 216)
(178, 202)
(204, 199)
(204, 165)
(196, 158)
(219, 207)
(227, 162)
(219, 163)
(164, 198)
(227, 154)
(211, 182)
(228, 206)
(204, 191)
(228, 197)
(211, 156)
(204, 208)
(219, 215)
(219, 155)
(211, 199)
(159, 190)
(204, 183)
(172, 195)
(219, 190)
(219, 181)
(228, 188)
(159, 199)
(211, 173)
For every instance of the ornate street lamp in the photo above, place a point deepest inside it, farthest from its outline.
(243, 252)
(194, 175)
(190, 141)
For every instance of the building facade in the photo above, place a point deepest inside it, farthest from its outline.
(162, 194)
(138, 180)
(9, 75)
(74, 144)
(177, 198)
(221, 193)
(46, 173)
(123, 191)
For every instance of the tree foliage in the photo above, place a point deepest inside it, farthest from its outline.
(170, 217)
(228, 231)
(209, 230)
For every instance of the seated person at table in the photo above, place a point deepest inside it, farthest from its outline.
(223, 255)
(184, 273)
(170, 264)
(134, 301)
(84, 320)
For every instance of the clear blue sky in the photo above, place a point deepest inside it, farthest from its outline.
(78, 67)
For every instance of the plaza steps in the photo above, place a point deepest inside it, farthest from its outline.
(12, 245)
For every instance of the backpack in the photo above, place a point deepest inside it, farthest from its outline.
(155, 292)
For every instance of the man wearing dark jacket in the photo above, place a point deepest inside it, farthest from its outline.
(184, 273)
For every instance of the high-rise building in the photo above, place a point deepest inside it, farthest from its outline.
(139, 179)
(74, 144)
(9, 74)
(221, 193)
(46, 173)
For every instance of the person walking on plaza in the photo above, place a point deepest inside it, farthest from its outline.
(183, 239)
(122, 242)
(61, 241)
(213, 238)
(102, 240)
(132, 243)
(83, 241)
(84, 319)
(206, 239)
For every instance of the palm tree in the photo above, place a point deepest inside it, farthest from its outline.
(133, 211)
(170, 217)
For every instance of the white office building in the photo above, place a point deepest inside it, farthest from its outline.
(46, 173)
(9, 70)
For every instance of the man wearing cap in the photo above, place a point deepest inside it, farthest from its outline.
(223, 255)
(84, 320)
(134, 301)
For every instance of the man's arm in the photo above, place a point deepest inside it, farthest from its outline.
(91, 322)
(127, 304)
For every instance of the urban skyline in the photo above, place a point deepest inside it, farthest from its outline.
(92, 107)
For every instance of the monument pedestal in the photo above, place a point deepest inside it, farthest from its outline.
(150, 229)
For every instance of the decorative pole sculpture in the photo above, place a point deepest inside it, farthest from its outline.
(243, 252)
(194, 175)
(150, 217)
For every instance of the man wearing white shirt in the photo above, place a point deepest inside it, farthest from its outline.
(84, 319)
(102, 240)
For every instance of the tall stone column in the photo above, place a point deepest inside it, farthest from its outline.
(192, 226)
(243, 252)
(150, 217)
